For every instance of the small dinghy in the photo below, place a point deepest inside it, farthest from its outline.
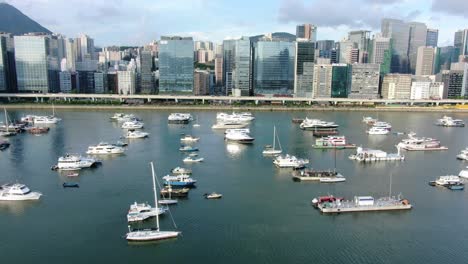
(213, 195)
(70, 185)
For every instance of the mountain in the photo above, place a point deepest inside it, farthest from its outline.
(17, 23)
(277, 35)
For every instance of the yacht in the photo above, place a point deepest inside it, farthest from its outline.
(134, 134)
(448, 121)
(229, 125)
(369, 120)
(420, 143)
(179, 181)
(46, 120)
(448, 180)
(179, 118)
(240, 137)
(74, 161)
(271, 149)
(289, 161)
(132, 125)
(235, 117)
(181, 171)
(317, 124)
(377, 131)
(238, 130)
(105, 148)
(189, 138)
(17, 192)
(464, 173)
(188, 149)
(117, 116)
(142, 211)
(192, 159)
(463, 154)
(383, 125)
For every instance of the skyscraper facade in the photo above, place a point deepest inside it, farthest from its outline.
(3, 65)
(146, 73)
(228, 64)
(175, 64)
(399, 32)
(461, 42)
(453, 83)
(447, 55)
(340, 80)
(418, 38)
(274, 67)
(362, 39)
(364, 81)
(242, 67)
(346, 48)
(432, 37)
(306, 31)
(396, 86)
(322, 81)
(305, 53)
(426, 60)
(85, 48)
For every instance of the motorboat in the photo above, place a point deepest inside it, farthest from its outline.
(289, 161)
(17, 192)
(74, 162)
(179, 118)
(464, 173)
(117, 116)
(192, 159)
(4, 145)
(70, 185)
(133, 125)
(240, 137)
(188, 148)
(235, 117)
(326, 176)
(317, 124)
(104, 149)
(448, 180)
(213, 195)
(142, 211)
(377, 131)
(134, 134)
(179, 181)
(420, 143)
(46, 120)
(121, 144)
(270, 150)
(229, 125)
(369, 120)
(371, 155)
(237, 130)
(448, 121)
(463, 154)
(151, 234)
(334, 142)
(181, 171)
(189, 138)
(383, 125)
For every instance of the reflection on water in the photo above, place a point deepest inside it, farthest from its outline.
(235, 149)
(16, 207)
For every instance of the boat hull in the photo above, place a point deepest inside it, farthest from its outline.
(28, 197)
(150, 235)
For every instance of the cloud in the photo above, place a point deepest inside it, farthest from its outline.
(326, 13)
(451, 7)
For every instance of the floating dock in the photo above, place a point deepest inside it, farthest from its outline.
(349, 146)
(364, 204)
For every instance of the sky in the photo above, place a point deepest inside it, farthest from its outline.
(137, 22)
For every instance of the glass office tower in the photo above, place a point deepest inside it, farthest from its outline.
(176, 64)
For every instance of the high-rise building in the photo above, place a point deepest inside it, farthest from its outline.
(147, 85)
(36, 70)
(274, 67)
(418, 37)
(175, 64)
(100, 82)
(380, 53)
(461, 42)
(399, 32)
(71, 54)
(340, 80)
(364, 81)
(346, 51)
(432, 37)
(322, 81)
(463, 67)
(304, 83)
(423, 87)
(228, 64)
(86, 82)
(201, 82)
(127, 81)
(9, 62)
(396, 86)
(219, 70)
(453, 83)
(3, 65)
(242, 69)
(325, 44)
(447, 55)
(426, 60)
(85, 48)
(362, 40)
(65, 82)
(307, 31)
(305, 53)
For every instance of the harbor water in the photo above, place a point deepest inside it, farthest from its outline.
(263, 217)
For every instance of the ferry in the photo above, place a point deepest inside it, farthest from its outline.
(332, 142)
(448, 121)
(361, 204)
(413, 143)
(371, 155)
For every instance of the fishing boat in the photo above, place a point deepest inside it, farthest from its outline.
(70, 185)
(213, 195)
(141, 211)
(187, 148)
(463, 154)
(181, 171)
(189, 138)
(372, 155)
(270, 150)
(17, 192)
(289, 161)
(332, 142)
(151, 234)
(448, 121)
(413, 143)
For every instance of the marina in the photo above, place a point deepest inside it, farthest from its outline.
(248, 180)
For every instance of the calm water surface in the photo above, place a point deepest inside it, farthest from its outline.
(264, 217)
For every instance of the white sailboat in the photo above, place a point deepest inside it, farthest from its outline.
(271, 150)
(151, 234)
(7, 132)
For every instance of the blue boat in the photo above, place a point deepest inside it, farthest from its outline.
(188, 149)
(181, 183)
(456, 187)
(70, 185)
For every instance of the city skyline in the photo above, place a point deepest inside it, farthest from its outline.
(141, 21)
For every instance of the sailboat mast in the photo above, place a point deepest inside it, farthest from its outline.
(155, 196)
(6, 120)
(390, 191)
(274, 136)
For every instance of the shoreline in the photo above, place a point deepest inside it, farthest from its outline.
(235, 108)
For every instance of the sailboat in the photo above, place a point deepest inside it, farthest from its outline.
(271, 150)
(196, 122)
(7, 132)
(151, 234)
